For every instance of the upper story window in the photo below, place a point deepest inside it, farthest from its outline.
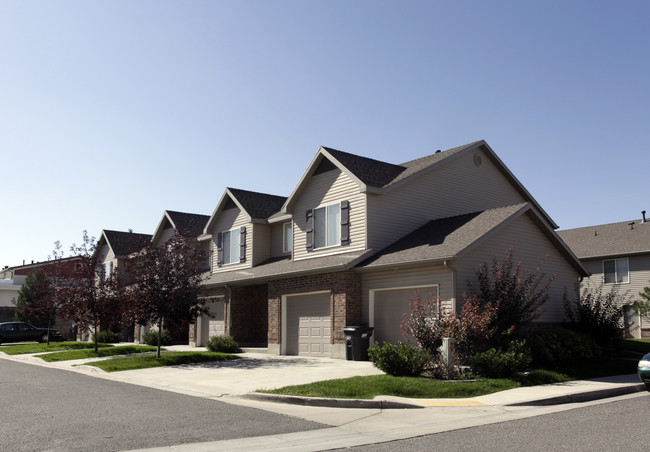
(108, 269)
(617, 271)
(328, 226)
(287, 238)
(231, 246)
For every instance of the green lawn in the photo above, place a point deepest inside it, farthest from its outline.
(20, 349)
(91, 353)
(167, 359)
(427, 388)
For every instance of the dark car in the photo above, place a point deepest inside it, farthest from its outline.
(643, 369)
(24, 332)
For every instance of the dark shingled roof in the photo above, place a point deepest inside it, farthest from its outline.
(608, 239)
(188, 224)
(381, 174)
(441, 239)
(282, 267)
(369, 171)
(258, 205)
(125, 243)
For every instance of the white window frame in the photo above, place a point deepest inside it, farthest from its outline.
(230, 258)
(287, 246)
(328, 224)
(617, 279)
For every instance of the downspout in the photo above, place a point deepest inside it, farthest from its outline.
(229, 306)
(448, 266)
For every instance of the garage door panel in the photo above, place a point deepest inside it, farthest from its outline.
(308, 325)
(391, 307)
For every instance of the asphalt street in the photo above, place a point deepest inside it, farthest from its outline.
(49, 409)
(607, 426)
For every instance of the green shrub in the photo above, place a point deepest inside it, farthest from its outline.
(107, 337)
(496, 363)
(151, 338)
(562, 345)
(223, 344)
(599, 313)
(401, 360)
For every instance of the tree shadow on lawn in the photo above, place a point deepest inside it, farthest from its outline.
(258, 363)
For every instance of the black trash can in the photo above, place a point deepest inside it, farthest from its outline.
(357, 342)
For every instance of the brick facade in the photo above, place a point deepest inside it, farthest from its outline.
(345, 301)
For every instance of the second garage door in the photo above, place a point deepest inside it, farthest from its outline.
(308, 325)
(389, 309)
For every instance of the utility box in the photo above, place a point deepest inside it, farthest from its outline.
(447, 351)
(357, 342)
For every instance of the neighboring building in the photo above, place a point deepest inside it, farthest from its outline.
(357, 237)
(13, 278)
(618, 256)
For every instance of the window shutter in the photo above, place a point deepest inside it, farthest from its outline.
(242, 244)
(345, 222)
(310, 230)
(219, 249)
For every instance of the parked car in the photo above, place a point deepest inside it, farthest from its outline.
(643, 369)
(24, 332)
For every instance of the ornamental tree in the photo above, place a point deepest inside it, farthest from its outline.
(36, 303)
(518, 294)
(165, 282)
(89, 297)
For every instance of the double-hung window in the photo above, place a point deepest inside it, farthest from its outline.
(327, 226)
(617, 271)
(287, 238)
(231, 246)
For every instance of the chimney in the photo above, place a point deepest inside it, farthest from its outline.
(643, 214)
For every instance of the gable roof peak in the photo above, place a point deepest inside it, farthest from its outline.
(369, 171)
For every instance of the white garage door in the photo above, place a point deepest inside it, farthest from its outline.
(213, 326)
(389, 309)
(308, 325)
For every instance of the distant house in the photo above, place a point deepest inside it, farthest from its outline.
(13, 278)
(616, 255)
(357, 237)
(113, 248)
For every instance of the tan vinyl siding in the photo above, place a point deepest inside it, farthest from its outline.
(323, 190)
(277, 239)
(405, 278)
(228, 220)
(455, 188)
(639, 275)
(529, 246)
(261, 242)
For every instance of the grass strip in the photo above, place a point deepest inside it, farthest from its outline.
(427, 388)
(91, 353)
(369, 387)
(21, 349)
(167, 359)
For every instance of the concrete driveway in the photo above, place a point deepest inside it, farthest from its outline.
(236, 377)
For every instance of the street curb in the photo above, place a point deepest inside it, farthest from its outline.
(329, 403)
(584, 396)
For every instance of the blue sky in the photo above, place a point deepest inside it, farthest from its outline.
(113, 111)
